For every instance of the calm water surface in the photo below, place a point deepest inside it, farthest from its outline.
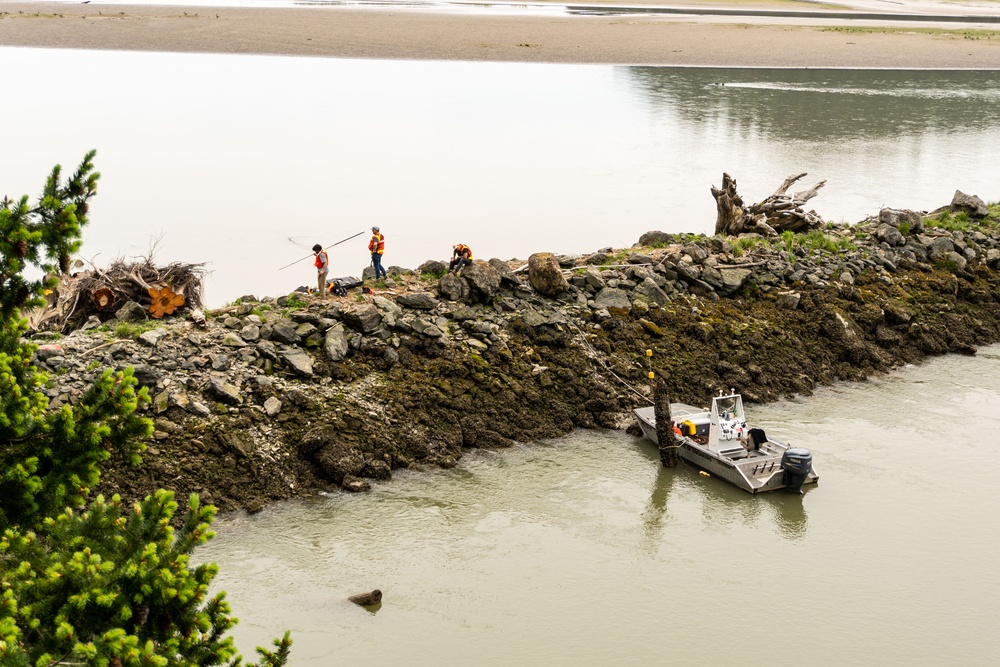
(244, 162)
(585, 551)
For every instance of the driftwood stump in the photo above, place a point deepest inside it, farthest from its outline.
(779, 212)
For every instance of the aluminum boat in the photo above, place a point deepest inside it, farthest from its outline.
(719, 441)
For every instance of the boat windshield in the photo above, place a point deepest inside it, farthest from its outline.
(728, 408)
(728, 422)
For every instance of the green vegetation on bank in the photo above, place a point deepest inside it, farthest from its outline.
(962, 221)
(85, 580)
(910, 30)
(133, 329)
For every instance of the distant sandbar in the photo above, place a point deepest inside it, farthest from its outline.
(383, 33)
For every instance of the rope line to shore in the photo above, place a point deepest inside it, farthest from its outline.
(601, 361)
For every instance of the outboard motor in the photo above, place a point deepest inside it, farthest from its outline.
(797, 464)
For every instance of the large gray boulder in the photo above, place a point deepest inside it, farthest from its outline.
(283, 331)
(896, 217)
(506, 275)
(940, 246)
(131, 312)
(733, 279)
(300, 362)
(611, 297)
(417, 300)
(890, 234)
(483, 279)
(970, 204)
(652, 292)
(695, 252)
(426, 328)
(454, 288)
(544, 274)
(335, 343)
(655, 239)
(789, 300)
(386, 306)
(957, 261)
(363, 317)
(712, 276)
(594, 279)
(688, 272)
(433, 267)
(223, 392)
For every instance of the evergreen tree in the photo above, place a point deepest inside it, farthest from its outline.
(100, 584)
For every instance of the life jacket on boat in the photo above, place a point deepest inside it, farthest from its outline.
(377, 245)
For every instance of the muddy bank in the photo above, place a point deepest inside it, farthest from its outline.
(273, 398)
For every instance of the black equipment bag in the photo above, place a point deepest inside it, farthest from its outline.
(339, 286)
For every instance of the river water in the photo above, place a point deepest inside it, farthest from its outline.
(585, 551)
(244, 162)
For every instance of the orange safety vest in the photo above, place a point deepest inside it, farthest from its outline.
(320, 263)
(462, 249)
(377, 244)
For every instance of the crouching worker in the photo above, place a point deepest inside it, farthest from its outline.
(460, 258)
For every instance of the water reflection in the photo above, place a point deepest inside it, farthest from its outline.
(656, 508)
(825, 105)
(721, 503)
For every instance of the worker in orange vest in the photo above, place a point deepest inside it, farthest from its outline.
(322, 265)
(377, 246)
(461, 257)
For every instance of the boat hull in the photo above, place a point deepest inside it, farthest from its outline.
(756, 473)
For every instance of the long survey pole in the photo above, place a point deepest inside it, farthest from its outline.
(329, 246)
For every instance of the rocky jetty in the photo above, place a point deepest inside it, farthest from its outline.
(272, 398)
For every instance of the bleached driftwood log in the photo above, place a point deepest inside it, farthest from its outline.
(777, 213)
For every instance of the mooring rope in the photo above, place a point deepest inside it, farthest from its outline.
(601, 361)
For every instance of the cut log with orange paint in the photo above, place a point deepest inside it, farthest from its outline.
(103, 299)
(165, 301)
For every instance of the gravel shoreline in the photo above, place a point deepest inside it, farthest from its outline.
(383, 33)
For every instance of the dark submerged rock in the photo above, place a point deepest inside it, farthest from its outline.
(367, 599)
